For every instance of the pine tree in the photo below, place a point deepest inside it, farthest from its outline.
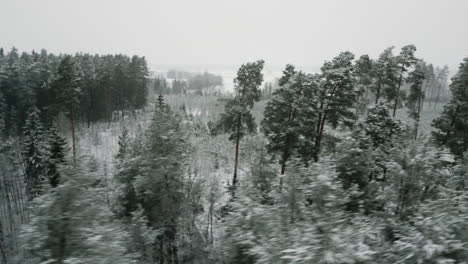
(415, 98)
(336, 96)
(429, 82)
(452, 126)
(35, 154)
(288, 115)
(384, 73)
(67, 91)
(120, 83)
(88, 87)
(237, 119)
(442, 74)
(138, 71)
(363, 70)
(405, 60)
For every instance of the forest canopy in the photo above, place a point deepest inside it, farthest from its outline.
(364, 161)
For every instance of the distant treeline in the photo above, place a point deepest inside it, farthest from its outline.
(93, 85)
(186, 82)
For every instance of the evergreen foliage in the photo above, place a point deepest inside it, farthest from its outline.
(404, 60)
(288, 115)
(452, 125)
(237, 120)
(363, 74)
(384, 73)
(416, 96)
(71, 223)
(66, 90)
(57, 148)
(124, 145)
(106, 84)
(153, 179)
(336, 97)
(35, 154)
(353, 184)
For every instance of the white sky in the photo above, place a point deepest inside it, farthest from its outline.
(220, 32)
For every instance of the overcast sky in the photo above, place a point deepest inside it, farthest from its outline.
(204, 32)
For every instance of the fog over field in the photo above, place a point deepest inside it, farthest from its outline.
(229, 132)
(182, 32)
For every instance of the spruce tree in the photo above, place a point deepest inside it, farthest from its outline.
(160, 101)
(57, 148)
(152, 178)
(35, 154)
(452, 126)
(124, 144)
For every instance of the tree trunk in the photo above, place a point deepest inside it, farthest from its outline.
(209, 224)
(285, 155)
(431, 92)
(379, 87)
(161, 251)
(397, 96)
(236, 158)
(88, 118)
(424, 94)
(2, 242)
(321, 124)
(72, 121)
(418, 118)
(62, 246)
(454, 119)
(283, 164)
(318, 139)
(438, 96)
(283, 160)
(416, 128)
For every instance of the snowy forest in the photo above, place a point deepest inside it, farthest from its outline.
(103, 161)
